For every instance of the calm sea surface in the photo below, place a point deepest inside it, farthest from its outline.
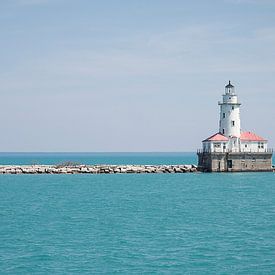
(144, 223)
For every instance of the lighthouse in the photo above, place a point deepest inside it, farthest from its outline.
(230, 122)
(231, 149)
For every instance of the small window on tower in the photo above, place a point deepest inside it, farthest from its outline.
(233, 123)
(223, 131)
(223, 115)
(232, 107)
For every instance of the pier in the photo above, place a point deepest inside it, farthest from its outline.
(96, 169)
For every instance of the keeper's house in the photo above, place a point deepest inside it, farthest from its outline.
(231, 149)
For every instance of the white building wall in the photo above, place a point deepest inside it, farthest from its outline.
(234, 144)
(215, 146)
(253, 146)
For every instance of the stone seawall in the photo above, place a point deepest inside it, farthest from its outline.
(96, 169)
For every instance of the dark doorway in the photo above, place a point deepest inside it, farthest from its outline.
(229, 163)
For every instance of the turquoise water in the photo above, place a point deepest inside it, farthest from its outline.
(133, 224)
(98, 158)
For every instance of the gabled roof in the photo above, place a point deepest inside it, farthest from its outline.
(249, 136)
(217, 137)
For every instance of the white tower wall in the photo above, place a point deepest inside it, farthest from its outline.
(230, 122)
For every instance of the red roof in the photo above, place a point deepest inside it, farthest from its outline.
(217, 137)
(248, 136)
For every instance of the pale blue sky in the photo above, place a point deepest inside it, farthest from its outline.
(137, 75)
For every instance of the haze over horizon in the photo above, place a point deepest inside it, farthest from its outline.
(137, 76)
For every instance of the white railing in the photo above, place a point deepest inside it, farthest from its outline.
(269, 150)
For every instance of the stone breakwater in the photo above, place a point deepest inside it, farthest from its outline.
(96, 169)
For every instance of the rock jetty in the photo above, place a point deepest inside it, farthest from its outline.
(96, 169)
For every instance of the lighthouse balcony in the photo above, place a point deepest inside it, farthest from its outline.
(229, 102)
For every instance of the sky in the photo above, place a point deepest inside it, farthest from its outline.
(137, 76)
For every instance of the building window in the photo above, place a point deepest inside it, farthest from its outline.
(217, 145)
(232, 107)
(245, 146)
(223, 115)
(260, 145)
(233, 123)
(223, 131)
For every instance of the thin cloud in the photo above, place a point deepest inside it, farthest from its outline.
(250, 1)
(192, 50)
(33, 2)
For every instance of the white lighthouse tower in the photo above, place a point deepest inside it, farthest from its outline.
(232, 149)
(230, 122)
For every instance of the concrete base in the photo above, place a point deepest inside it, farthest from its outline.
(234, 162)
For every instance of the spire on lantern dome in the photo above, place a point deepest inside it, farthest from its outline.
(229, 85)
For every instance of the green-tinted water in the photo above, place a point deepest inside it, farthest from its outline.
(165, 223)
